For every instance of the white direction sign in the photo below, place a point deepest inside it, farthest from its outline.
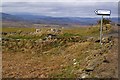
(103, 12)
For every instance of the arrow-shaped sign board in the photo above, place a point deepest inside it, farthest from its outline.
(103, 12)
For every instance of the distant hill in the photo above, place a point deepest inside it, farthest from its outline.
(9, 17)
(50, 20)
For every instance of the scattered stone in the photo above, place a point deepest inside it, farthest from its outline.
(89, 69)
(106, 61)
(90, 39)
(37, 30)
(75, 63)
(84, 75)
(4, 33)
(97, 41)
(105, 40)
(74, 59)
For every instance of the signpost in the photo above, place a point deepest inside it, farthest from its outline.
(102, 12)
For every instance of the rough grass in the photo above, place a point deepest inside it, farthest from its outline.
(13, 29)
(66, 32)
(63, 58)
(58, 62)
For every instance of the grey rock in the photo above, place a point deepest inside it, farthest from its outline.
(84, 75)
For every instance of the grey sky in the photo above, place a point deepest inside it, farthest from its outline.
(60, 0)
(60, 9)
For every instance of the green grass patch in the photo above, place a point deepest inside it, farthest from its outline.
(10, 29)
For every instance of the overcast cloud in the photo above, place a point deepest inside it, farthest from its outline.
(60, 0)
(74, 8)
